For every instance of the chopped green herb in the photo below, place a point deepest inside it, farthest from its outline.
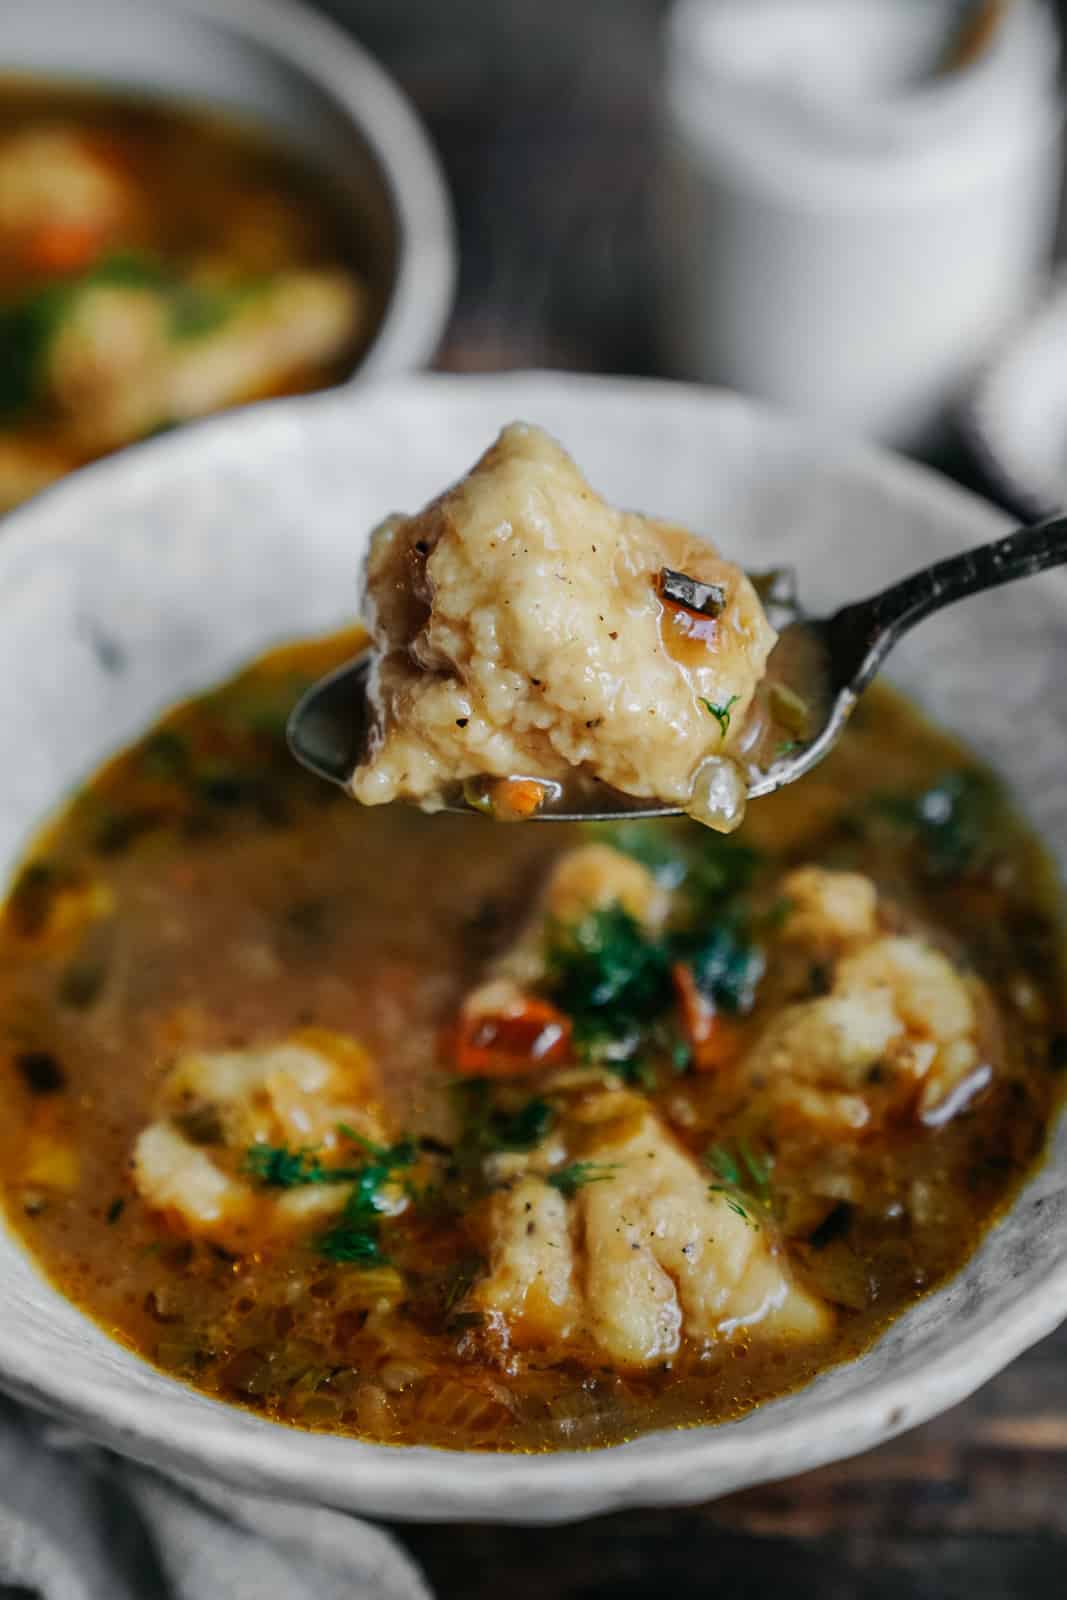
(526, 1128)
(26, 330)
(720, 871)
(196, 312)
(741, 1169)
(568, 1180)
(721, 713)
(115, 1209)
(125, 269)
(757, 1169)
(278, 1167)
(726, 965)
(786, 748)
(395, 1155)
(954, 821)
(679, 1054)
(353, 1243)
(606, 963)
(355, 1238)
(731, 1200)
(723, 1164)
(28, 327)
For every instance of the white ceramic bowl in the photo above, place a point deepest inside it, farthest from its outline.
(289, 69)
(153, 574)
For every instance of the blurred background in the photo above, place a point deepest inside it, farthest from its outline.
(606, 226)
(849, 208)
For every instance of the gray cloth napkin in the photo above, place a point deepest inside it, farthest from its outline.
(79, 1523)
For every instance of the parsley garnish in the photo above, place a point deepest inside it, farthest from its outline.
(354, 1238)
(726, 965)
(486, 1129)
(721, 713)
(740, 1169)
(568, 1180)
(525, 1128)
(278, 1167)
(611, 979)
(353, 1242)
(731, 1200)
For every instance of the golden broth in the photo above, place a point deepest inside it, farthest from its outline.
(237, 900)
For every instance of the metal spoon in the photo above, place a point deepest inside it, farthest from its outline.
(328, 727)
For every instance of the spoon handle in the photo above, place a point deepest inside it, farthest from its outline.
(871, 627)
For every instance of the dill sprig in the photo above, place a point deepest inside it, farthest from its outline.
(568, 1180)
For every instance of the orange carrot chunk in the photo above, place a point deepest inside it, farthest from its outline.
(515, 799)
(714, 1040)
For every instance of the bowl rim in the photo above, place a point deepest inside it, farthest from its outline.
(421, 1483)
(422, 288)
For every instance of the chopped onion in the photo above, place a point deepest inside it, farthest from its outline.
(719, 794)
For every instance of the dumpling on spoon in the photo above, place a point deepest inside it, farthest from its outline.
(529, 636)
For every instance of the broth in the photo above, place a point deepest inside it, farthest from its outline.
(156, 263)
(202, 893)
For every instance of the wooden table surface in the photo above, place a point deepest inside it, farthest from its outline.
(544, 114)
(973, 1506)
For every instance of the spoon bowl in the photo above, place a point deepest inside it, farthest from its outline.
(330, 724)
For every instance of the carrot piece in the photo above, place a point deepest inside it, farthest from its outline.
(715, 1040)
(514, 799)
(61, 247)
(527, 1036)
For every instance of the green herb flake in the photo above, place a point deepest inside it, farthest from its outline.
(741, 1171)
(525, 1128)
(724, 1165)
(726, 964)
(568, 1180)
(278, 1167)
(605, 970)
(353, 1243)
(115, 1210)
(721, 713)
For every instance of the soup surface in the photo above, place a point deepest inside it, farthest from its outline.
(442, 1131)
(156, 263)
